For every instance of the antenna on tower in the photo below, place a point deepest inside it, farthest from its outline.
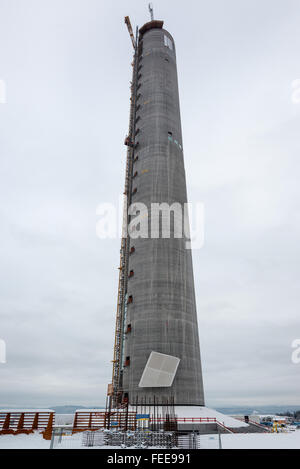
(150, 6)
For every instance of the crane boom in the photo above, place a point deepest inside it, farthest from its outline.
(129, 27)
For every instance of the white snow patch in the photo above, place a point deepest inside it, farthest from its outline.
(17, 411)
(229, 441)
(262, 441)
(89, 410)
(206, 412)
(32, 441)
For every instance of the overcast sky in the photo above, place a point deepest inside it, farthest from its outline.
(66, 65)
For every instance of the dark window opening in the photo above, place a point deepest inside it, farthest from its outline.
(131, 273)
(128, 328)
(127, 361)
(130, 299)
(128, 142)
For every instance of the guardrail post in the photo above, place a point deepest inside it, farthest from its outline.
(220, 442)
(6, 422)
(47, 434)
(52, 439)
(35, 421)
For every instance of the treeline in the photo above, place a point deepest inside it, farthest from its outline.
(295, 415)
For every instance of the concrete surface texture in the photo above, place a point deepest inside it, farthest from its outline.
(162, 313)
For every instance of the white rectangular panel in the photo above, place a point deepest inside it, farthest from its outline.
(159, 371)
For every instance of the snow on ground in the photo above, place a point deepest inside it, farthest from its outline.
(262, 440)
(204, 412)
(32, 441)
(229, 441)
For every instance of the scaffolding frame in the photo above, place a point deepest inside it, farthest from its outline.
(115, 393)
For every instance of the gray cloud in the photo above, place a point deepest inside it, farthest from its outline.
(67, 70)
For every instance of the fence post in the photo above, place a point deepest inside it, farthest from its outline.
(6, 422)
(47, 434)
(20, 426)
(52, 439)
(35, 422)
(220, 442)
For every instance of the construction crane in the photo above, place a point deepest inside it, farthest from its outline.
(115, 388)
(129, 27)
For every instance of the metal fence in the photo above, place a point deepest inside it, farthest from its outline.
(194, 440)
(64, 438)
(90, 439)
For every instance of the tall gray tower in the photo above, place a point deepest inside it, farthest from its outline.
(156, 307)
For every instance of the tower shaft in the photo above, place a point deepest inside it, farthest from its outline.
(160, 311)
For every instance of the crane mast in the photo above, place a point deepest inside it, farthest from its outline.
(115, 388)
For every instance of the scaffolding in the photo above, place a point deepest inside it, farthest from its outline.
(115, 389)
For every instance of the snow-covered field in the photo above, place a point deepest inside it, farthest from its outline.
(32, 441)
(234, 441)
(262, 441)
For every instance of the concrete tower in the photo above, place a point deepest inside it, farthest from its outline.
(160, 313)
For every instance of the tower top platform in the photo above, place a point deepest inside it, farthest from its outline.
(155, 24)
